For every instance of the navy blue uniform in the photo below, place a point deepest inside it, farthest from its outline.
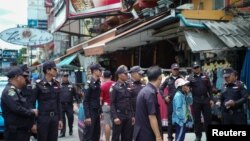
(92, 109)
(238, 93)
(18, 116)
(201, 92)
(121, 107)
(169, 84)
(49, 107)
(67, 93)
(146, 104)
(135, 88)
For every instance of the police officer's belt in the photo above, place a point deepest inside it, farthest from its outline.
(12, 127)
(231, 111)
(123, 111)
(50, 114)
(64, 103)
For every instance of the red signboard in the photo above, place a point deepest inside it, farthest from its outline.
(83, 8)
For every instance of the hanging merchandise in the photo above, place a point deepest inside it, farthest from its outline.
(72, 77)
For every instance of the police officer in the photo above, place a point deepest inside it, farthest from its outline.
(147, 116)
(28, 92)
(233, 97)
(121, 107)
(47, 93)
(92, 105)
(202, 99)
(135, 83)
(169, 84)
(16, 111)
(67, 93)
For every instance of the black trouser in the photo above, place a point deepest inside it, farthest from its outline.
(234, 117)
(124, 129)
(204, 109)
(47, 127)
(12, 133)
(67, 109)
(92, 132)
(170, 125)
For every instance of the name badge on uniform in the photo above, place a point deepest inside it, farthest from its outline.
(56, 87)
(235, 87)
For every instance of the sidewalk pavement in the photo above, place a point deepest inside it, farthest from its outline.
(190, 136)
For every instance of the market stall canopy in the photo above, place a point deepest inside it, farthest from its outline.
(233, 34)
(66, 62)
(203, 41)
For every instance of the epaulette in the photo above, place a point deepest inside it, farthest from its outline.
(88, 81)
(38, 80)
(12, 87)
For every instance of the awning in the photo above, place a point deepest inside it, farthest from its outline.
(66, 62)
(203, 41)
(97, 48)
(233, 34)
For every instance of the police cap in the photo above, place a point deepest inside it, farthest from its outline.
(175, 66)
(14, 71)
(136, 69)
(65, 74)
(228, 71)
(96, 66)
(49, 65)
(122, 69)
(25, 69)
(195, 64)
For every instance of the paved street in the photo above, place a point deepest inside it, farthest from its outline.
(75, 133)
(189, 136)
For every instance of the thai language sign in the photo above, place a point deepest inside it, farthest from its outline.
(26, 36)
(93, 7)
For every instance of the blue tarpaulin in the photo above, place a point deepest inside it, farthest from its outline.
(66, 61)
(245, 72)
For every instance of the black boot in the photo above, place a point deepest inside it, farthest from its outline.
(70, 132)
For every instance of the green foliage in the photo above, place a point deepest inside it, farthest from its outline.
(20, 58)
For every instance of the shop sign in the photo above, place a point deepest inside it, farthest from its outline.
(26, 36)
(10, 53)
(93, 7)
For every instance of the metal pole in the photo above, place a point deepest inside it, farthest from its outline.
(30, 56)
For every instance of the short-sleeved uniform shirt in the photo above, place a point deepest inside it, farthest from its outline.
(146, 104)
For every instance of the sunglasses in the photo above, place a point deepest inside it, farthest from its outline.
(196, 67)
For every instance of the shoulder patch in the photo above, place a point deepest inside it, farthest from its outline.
(38, 80)
(11, 92)
(12, 87)
(86, 86)
(110, 89)
(33, 86)
(88, 81)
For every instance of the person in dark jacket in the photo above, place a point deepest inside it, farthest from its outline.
(147, 117)
(92, 104)
(202, 99)
(121, 107)
(233, 97)
(169, 84)
(67, 95)
(135, 83)
(16, 111)
(28, 92)
(47, 94)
